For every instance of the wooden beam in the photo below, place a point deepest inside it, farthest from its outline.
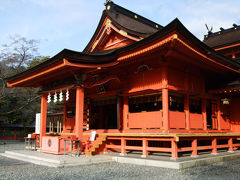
(165, 103)
(79, 112)
(123, 146)
(194, 147)
(174, 149)
(186, 109)
(125, 113)
(204, 113)
(214, 146)
(43, 123)
(145, 147)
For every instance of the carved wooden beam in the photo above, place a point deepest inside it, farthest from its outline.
(101, 81)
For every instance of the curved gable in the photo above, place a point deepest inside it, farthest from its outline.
(119, 27)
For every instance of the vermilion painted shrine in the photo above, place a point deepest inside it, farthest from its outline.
(142, 87)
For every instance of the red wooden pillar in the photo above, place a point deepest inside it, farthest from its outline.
(165, 102)
(214, 146)
(230, 144)
(145, 146)
(194, 147)
(43, 123)
(123, 146)
(186, 109)
(219, 114)
(79, 112)
(204, 113)
(174, 149)
(125, 112)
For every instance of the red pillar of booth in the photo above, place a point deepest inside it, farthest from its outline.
(43, 123)
(79, 112)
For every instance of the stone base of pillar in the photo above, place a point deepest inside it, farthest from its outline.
(194, 156)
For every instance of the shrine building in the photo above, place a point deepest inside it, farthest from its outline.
(142, 87)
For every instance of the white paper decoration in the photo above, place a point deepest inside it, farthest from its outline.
(55, 98)
(49, 98)
(61, 96)
(67, 95)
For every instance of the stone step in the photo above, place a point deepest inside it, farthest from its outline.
(88, 160)
(51, 161)
(34, 161)
(34, 157)
(95, 161)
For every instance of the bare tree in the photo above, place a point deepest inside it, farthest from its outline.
(16, 57)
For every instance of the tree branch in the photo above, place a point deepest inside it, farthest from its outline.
(21, 107)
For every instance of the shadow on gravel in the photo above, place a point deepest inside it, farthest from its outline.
(7, 145)
(10, 162)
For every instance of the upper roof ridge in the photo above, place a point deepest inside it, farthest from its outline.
(111, 6)
(222, 31)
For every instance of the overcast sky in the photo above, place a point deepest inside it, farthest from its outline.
(60, 24)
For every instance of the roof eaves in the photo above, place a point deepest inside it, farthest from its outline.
(178, 26)
(208, 50)
(50, 61)
(84, 58)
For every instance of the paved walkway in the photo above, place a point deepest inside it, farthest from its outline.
(52, 160)
(14, 169)
(18, 170)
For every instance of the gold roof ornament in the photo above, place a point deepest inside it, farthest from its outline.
(124, 33)
(108, 22)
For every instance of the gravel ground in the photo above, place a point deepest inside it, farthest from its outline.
(13, 169)
(11, 145)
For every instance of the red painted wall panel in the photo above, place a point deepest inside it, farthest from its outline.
(176, 78)
(196, 121)
(177, 119)
(145, 119)
(145, 80)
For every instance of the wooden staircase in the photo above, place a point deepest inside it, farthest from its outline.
(95, 145)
